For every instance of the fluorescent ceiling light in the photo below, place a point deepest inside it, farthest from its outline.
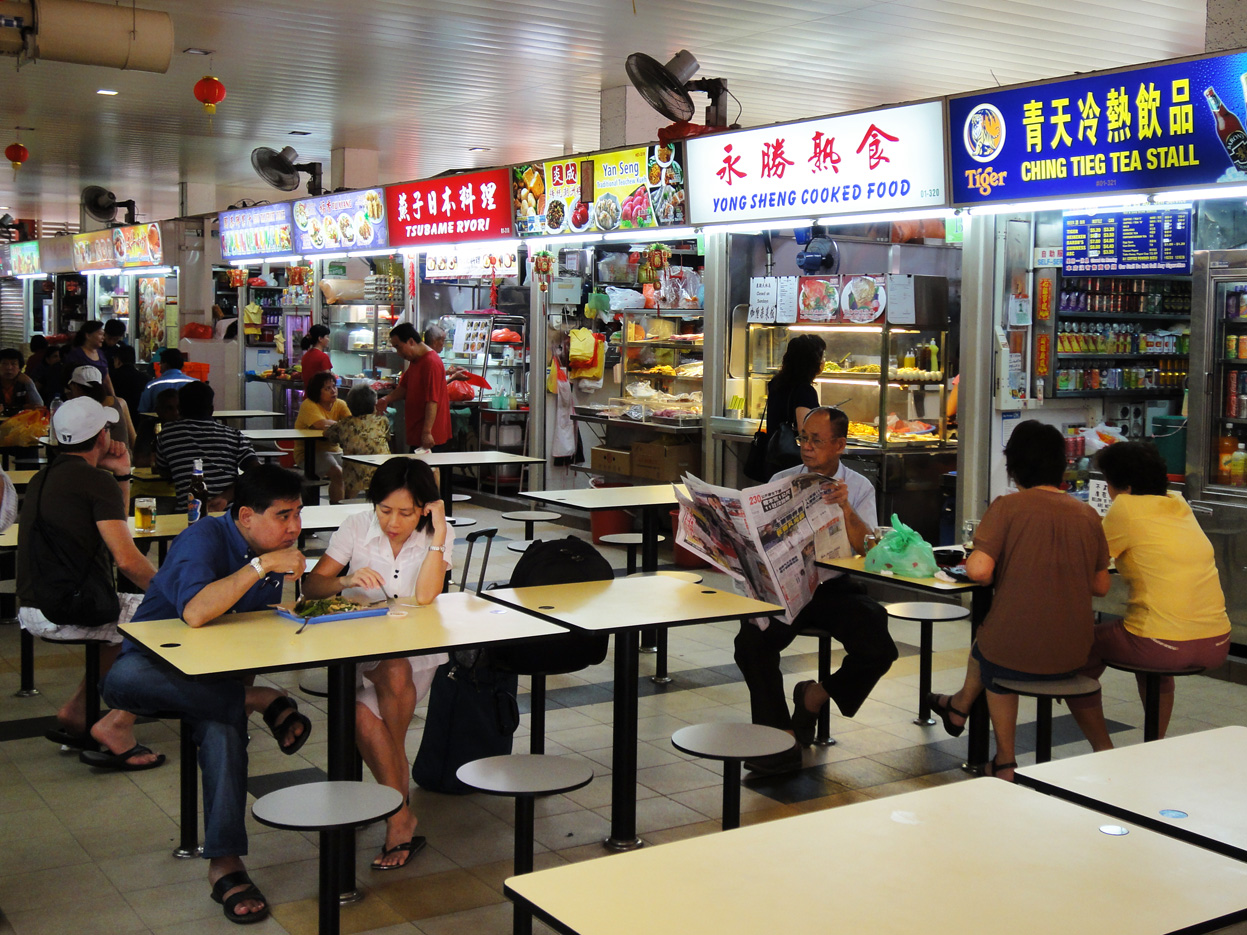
(106, 92)
(333, 256)
(33, 276)
(923, 214)
(300, 133)
(478, 149)
(114, 271)
(194, 51)
(1062, 204)
(1198, 194)
(149, 271)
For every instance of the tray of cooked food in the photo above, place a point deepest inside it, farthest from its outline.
(325, 609)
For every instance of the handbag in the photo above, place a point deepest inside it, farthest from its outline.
(771, 452)
(63, 593)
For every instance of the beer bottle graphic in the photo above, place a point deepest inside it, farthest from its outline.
(1229, 129)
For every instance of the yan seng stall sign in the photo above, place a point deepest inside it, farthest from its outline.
(1178, 125)
(873, 161)
(475, 206)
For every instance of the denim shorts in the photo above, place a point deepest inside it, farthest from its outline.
(990, 672)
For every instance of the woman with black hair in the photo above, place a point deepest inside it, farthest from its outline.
(401, 548)
(1045, 553)
(1175, 616)
(314, 344)
(791, 395)
(85, 351)
(321, 409)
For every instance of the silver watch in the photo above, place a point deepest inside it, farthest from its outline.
(437, 548)
(258, 566)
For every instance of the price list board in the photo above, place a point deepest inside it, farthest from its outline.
(1142, 242)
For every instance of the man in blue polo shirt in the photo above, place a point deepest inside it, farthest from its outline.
(220, 565)
(171, 377)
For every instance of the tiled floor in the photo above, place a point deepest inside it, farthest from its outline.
(87, 853)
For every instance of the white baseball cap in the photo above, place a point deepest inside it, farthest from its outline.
(86, 376)
(79, 420)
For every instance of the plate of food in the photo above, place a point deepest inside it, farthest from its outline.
(816, 299)
(673, 174)
(301, 215)
(333, 236)
(119, 246)
(374, 206)
(529, 191)
(363, 229)
(664, 152)
(556, 215)
(635, 208)
(653, 176)
(862, 299)
(346, 227)
(314, 233)
(153, 242)
(578, 217)
(606, 212)
(325, 609)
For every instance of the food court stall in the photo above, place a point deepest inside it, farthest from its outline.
(127, 278)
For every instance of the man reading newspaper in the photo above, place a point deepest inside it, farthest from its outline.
(768, 538)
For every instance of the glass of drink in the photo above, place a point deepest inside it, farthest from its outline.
(968, 529)
(145, 514)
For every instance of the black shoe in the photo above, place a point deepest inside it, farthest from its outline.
(787, 762)
(803, 720)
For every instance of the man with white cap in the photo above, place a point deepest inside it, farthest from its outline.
(85, 381)
(81, 499)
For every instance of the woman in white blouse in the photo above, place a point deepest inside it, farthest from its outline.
(399, 549)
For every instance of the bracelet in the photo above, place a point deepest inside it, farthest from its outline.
(120, 477)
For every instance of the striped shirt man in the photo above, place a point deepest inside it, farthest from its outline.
(223, 450)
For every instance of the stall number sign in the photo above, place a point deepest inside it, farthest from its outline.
(456, 209)
(873, 161)
(1178, 125)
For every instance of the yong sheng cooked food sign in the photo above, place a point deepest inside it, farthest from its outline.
(1170, 126)
(850, 164)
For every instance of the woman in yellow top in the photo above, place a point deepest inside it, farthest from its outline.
(321, 408)
(1175, 616)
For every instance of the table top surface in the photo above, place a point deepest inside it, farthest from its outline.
(857, 566)
(1054, 871)
(21, 478)
(262, 641)
(609, 498)
(275, 435)
(629, 603)
(1200, 775)
(451, 458)
(244, 413)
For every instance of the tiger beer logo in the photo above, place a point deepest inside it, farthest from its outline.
(984, 133)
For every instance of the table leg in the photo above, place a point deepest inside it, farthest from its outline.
(444, 479)
(330, 909)
(649, 562)
(341, 844)
(28, 689)
(977, 746)
(309, 458)
(189, 793)
(522, 918)
(731, 794)
(623, 778)
(924, 674)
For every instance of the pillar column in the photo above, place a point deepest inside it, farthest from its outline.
(1226, 26)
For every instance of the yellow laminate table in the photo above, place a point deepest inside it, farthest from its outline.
(624, 606)
(21, 478)
(980, 604)
(1034, 865)
(450, 460)
(1188, 787)
(309, 437)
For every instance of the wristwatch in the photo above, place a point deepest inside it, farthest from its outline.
(256, 564)
(437, 548)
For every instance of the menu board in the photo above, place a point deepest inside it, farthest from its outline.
(454, 209)
(341, 221)
(151, 324)
(137, 245)
(636, 188)
(94, 250)
(24, 258)
(265, 230)
(1135, 242)
(468, 262)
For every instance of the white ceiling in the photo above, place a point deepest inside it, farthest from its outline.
(420, 82)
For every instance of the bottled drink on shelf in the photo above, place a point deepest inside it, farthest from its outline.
(1238, 466)
(1229, 129)
(198, 494)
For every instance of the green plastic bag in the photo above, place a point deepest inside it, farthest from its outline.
(902, 552)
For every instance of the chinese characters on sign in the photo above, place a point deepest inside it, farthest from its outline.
(473, 206)
(834, 165)
(1127, 131)
(341, 221)
(254, 232)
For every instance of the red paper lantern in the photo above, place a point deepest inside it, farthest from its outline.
(16, 153)
(209, 91)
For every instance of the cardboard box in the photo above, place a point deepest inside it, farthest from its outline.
(664, 461)
(611, 460)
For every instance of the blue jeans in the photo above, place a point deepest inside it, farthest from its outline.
(216, 713)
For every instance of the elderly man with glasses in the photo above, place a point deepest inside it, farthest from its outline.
(839, 606)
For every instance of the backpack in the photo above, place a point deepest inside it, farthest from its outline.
(556, 561)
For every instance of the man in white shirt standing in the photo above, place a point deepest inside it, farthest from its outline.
(839, 606)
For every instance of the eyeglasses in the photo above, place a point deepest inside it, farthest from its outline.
(816, 441)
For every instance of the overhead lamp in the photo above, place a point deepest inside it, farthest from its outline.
(106, 92)
(194, 51)
(148, 271)
(1201, 194)
(32, 276)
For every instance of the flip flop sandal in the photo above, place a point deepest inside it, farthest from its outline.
(413, 847)
(287, 741)
(120, 762)
(67, 738)
(227, 883)
(944, 711)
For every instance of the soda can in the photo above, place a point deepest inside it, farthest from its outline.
(1242, 406)
(1231, 347)
(1231, 396)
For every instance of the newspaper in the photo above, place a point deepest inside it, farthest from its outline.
(766, 537)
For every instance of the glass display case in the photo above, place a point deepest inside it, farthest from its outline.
(883, 375)
(492, 345)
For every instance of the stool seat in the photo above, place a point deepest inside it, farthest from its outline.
(525, 774)
(460, 521)
(315, 682)
(531, 516)
(1145, 670)
(521, 545)
(1071, 687)
(459, 497)
(722, 740)
(732, 743)
(690, 576)
(926, 610)
(1151, 679)
(624, 538)
(326, 806)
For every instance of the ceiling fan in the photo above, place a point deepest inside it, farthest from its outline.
(101, 204)
(280, 170)
(666, 89)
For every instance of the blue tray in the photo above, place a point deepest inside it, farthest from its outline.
(325, 618)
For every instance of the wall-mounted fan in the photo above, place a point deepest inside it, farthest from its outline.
(821, 255)
(666, 89)
(101, 204)
(280, 170)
